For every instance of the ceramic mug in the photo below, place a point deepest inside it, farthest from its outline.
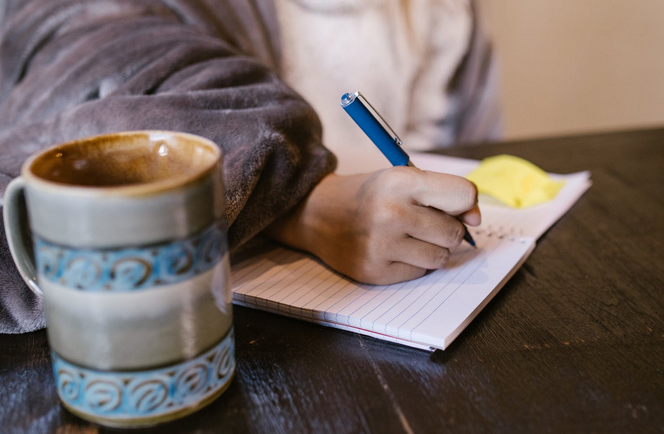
(126, 243)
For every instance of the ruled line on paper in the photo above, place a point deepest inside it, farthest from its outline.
(300, 302)
(366, 294)
(404, 312)
(390, 300)
(284, 275)
(246, 268)
(448, 321)
(482, 261)
(265, 280)
(357, 291)
(344, 285)
(265, 265)
(444, 292)
(301, 285)
(340, 282)
(317, 284)
(388, 293)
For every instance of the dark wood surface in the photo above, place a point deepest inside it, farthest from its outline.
(573, 343)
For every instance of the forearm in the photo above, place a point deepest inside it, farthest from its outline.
(316, 221)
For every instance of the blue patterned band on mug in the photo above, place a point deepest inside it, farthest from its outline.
(130, 269)
(150, 393)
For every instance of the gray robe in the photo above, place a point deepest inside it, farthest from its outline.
(71, 68)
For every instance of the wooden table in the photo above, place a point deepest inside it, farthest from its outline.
(573, 343)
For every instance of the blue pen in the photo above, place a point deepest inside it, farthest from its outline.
(378, 130)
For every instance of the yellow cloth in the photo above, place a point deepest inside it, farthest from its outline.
(514, 181)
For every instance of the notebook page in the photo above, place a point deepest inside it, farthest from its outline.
(426, 312)
(340, 327)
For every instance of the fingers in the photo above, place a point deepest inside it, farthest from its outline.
(401, 272)
(472, 217)
(384, 272)
(451, 194)
(413, 258)
(420, 254)
(434, 227)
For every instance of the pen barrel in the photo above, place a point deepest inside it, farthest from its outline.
(377, 133)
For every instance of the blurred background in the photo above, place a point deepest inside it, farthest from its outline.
(577, 66)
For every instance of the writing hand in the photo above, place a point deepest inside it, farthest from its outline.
(382, 227)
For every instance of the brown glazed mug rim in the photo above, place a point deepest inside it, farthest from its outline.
(134, 189)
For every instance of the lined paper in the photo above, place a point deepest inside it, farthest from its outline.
(428, 312)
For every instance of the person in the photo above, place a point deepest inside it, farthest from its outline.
(415, 60)
(70, 69)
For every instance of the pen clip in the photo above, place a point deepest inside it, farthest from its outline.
(377, 115)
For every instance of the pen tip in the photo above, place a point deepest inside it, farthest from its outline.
(469, 238)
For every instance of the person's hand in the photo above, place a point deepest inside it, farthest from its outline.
(382, 227)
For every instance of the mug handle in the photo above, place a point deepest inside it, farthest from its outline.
(18, 237)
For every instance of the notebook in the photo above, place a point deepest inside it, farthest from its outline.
(427, 313)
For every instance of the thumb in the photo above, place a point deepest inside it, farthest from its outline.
(472, 217)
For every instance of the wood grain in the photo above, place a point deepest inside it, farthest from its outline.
(573, 343)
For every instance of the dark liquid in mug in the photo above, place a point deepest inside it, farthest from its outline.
(115, 161)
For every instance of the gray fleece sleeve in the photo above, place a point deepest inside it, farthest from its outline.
(70, 69)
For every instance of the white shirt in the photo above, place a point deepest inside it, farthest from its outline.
(330, 47)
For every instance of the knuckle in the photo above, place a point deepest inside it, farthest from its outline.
(443, 257)
(456, 233)
(467, 195)
(398, 177)
(372, 246)
(367, 272)
(382, 215)
(385, 214)
(440, 258)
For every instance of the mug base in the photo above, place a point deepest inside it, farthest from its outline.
(150, 421)
(149, 397)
